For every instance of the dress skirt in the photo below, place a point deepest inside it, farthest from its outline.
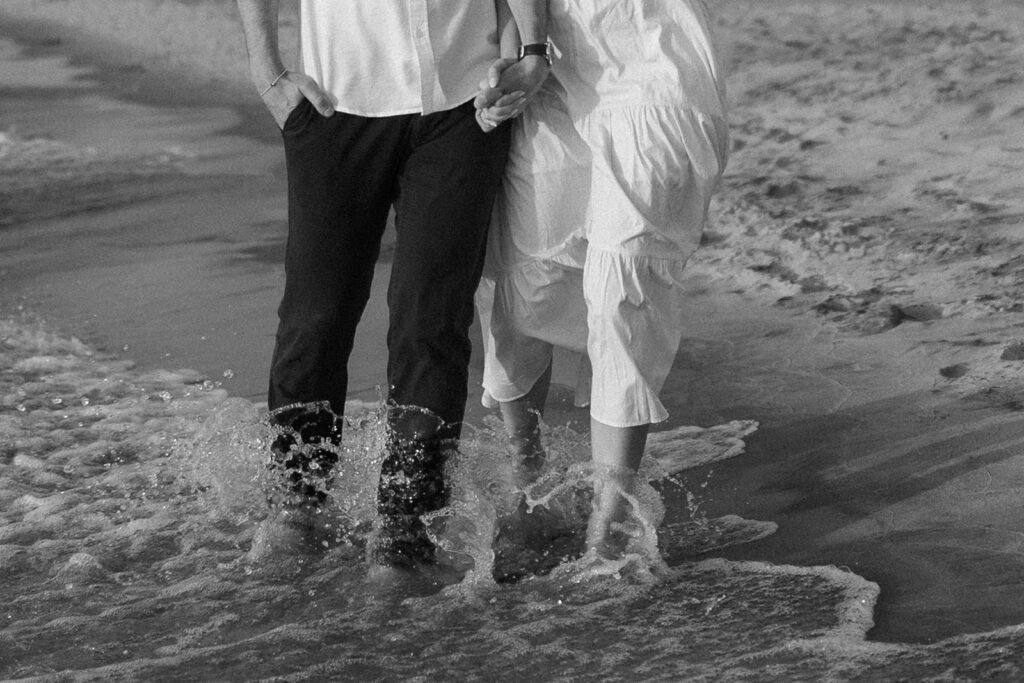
(604, 199)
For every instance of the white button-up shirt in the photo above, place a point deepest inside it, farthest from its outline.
(388, 57)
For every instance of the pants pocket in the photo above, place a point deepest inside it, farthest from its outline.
(297, 116)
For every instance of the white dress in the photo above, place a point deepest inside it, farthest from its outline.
(604, 199)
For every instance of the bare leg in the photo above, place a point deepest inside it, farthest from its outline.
(616, 453)
(522, 423)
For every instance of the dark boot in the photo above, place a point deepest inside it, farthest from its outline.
(303, 454)
(412, 483)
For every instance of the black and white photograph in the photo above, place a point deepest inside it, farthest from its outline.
(512, 340)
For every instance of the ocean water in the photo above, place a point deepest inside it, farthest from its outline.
(130, 501)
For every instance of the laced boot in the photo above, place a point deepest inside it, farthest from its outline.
(412, 483)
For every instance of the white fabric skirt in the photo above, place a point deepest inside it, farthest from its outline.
(591, 231)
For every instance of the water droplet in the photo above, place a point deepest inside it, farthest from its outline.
(56, 400)
(85, 401)
(22, 408)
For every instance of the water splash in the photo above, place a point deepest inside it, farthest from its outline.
(148, 507)
(493, 528)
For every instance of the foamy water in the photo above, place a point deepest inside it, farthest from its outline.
(130, 501)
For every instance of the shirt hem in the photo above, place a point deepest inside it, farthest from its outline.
(417, 109)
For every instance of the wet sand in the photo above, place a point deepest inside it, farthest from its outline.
(165, 239)
(859, 295)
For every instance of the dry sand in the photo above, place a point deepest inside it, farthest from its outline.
(859, 295)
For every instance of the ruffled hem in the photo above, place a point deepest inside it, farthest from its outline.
(634, 306)
(623, 311)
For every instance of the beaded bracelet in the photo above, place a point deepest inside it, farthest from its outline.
(273, 83)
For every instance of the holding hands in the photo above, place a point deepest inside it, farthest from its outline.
(509, 87)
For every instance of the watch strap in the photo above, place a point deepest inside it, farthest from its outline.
(537, 49)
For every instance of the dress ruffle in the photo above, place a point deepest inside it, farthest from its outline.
(623, 311)
(605, 197)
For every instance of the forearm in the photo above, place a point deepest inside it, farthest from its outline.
(259, 23)
(281, 91)
(531, 19)
(508, 32)
(513, 80)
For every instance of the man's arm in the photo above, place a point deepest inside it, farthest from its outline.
(521, 22)
(500, 105)
(531, 19)
(508, 32)
(510, 82)
(281, 93)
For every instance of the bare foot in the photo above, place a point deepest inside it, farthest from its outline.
(529, 468)
(606, 534)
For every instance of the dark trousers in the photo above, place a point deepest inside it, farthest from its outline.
(440, 172)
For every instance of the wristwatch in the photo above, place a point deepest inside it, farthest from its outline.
(538, 49)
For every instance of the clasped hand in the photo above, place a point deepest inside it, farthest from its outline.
(508, 88)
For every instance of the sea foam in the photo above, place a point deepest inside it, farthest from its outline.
(130, 500)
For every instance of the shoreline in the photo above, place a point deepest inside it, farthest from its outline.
(869, 346)
(145, 66)
(190, 183)
(165, 38)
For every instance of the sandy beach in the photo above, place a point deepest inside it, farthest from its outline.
(859, 298)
